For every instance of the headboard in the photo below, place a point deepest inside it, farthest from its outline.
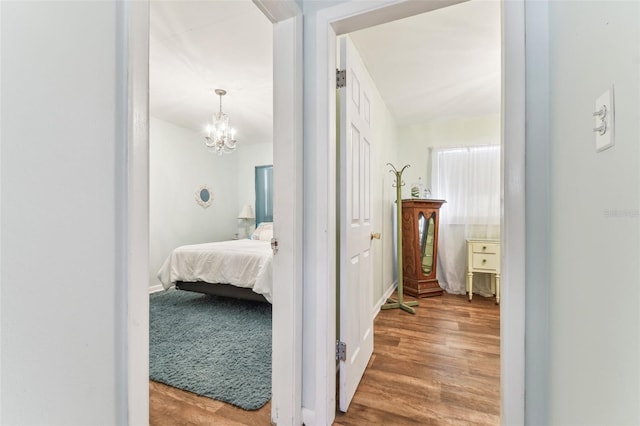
(264, 194)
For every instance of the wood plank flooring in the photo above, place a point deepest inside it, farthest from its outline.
(170, 406)
(439, 367)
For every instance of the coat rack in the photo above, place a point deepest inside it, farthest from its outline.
(391, 303)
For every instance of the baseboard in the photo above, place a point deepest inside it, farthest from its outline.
(155, 288)
(383, 299)
(308, 417)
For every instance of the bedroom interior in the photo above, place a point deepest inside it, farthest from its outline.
(438, 110)
(196, 48)
(441, 100)
(211, 197)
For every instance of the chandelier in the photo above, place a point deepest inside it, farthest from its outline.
(220, 137)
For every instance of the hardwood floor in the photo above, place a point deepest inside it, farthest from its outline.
(439, 367)
(169, 406)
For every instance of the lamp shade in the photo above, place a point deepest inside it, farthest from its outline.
(246, 212)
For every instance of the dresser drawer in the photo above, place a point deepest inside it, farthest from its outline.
(487, 261)
(484, 247)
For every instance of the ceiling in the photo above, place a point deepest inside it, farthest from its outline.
(199, 46)
(444, 63)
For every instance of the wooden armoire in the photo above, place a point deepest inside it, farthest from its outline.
(420, 218)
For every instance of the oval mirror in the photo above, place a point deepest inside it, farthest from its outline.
(204, 196)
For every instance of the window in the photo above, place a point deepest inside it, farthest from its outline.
(264, 194)
(469, 180)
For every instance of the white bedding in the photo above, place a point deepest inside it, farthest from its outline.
(242, 263)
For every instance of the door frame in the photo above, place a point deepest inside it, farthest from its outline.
(287, 112)
(320, 157)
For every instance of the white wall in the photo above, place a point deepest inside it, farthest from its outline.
(594, 236)
(384, 195)
(415, 141)
(538, 201)
(179, 164)
(62, 174)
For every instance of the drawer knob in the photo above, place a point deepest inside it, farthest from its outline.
(484, 260)
(484, 247)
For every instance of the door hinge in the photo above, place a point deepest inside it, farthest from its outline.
(341, 78)
(274, 245)
(341, 351)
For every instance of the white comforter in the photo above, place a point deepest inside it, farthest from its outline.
(243, 263)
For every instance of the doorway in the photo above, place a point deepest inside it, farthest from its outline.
(432, 106)
(286, 383)
(320, 125)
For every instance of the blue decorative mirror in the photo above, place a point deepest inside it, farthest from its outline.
(204, 196)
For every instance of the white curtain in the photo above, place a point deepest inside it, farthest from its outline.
(469, 180)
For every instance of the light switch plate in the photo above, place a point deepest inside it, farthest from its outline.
(605, 140)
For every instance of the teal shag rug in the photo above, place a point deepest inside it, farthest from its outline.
(213, 346)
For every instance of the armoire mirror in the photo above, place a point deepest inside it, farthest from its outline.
(426, 229)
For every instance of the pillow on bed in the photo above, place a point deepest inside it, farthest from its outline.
(263, 232)
(266, 235)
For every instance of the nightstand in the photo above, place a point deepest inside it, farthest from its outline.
(484, 256)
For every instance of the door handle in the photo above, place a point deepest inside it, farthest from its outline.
(375, 235)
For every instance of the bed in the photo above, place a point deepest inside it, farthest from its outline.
(237, 268)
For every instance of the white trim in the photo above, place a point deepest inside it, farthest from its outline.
(320, 222)
(287, 19)
(387, 294)
(156, 289)
(308, 417)
(137, 212)
(538, 225)
(1, 292)
(320, 208)
(278, 10)
(286, 403)
(512, 306)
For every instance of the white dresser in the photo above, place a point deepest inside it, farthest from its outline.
(484, 256)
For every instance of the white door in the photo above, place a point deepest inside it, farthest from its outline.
(356, 292)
